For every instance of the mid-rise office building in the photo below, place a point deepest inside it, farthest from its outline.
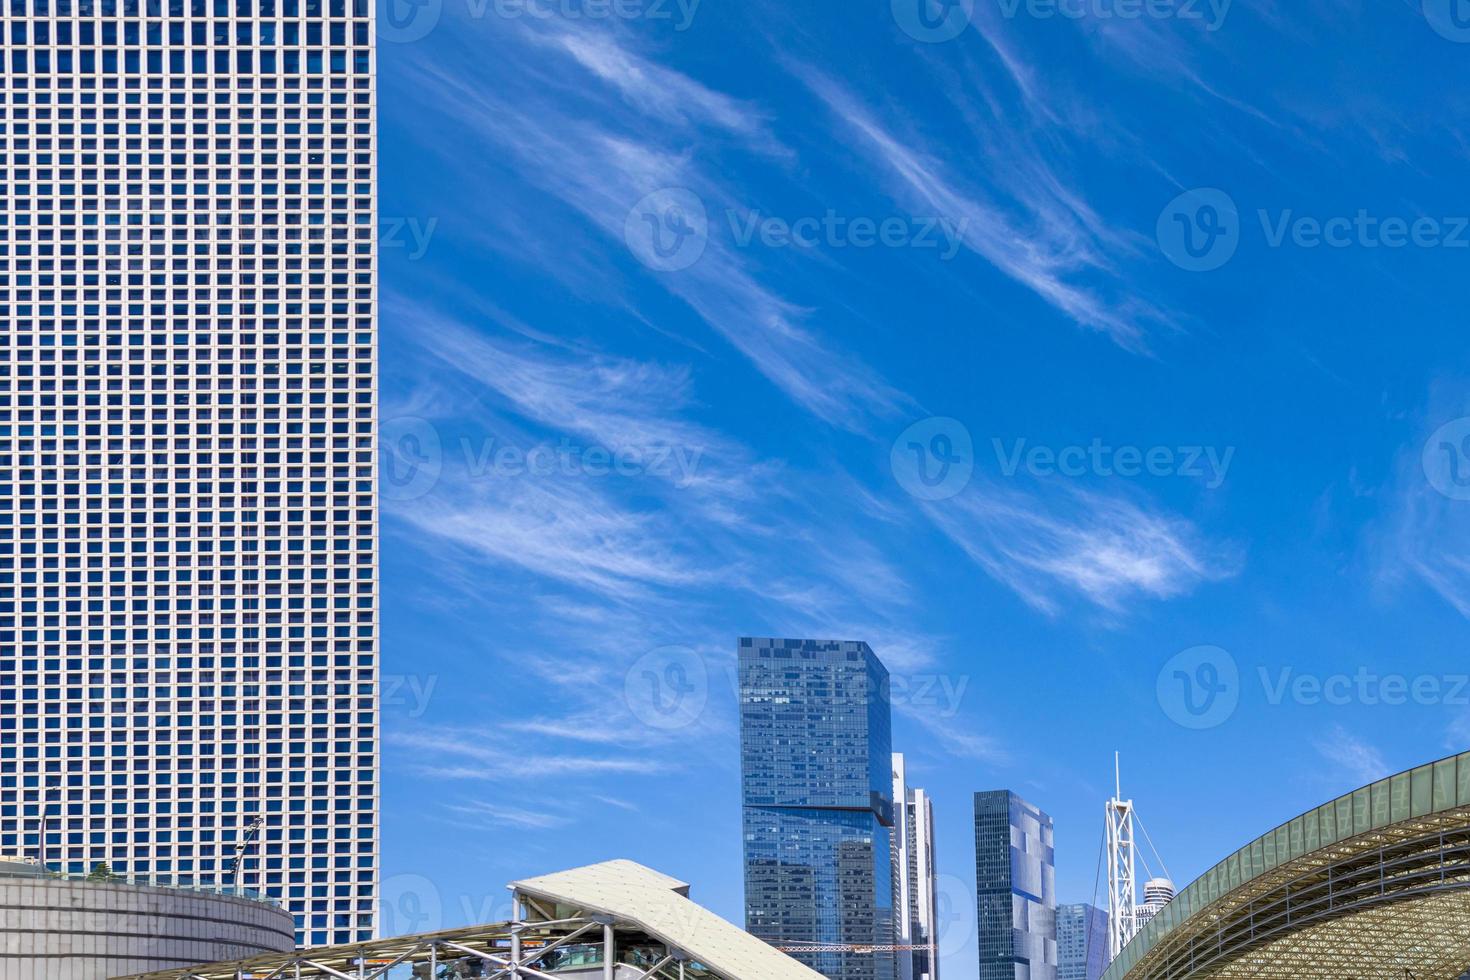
(817, 786)
(915, 883)
(188, 525)
(1015, 880)
(1082, 942)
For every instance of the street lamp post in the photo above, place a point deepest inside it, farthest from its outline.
(46, 819)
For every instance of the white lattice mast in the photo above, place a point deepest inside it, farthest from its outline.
(1122, 890)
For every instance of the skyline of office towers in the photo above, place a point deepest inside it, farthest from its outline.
(1082, 941)
(817, 812)
(188, 518)
(1015, 884)
(916, 883)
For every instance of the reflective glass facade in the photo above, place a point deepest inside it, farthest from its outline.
(1015, 879)
(817, 794)
(188, 520)
(1082, 942)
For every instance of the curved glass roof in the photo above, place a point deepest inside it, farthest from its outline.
(1428, 789)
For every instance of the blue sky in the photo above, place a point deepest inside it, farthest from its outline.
(1039, 347)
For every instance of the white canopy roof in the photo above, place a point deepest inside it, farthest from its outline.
(660, 906)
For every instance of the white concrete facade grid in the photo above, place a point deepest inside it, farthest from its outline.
(188, 517)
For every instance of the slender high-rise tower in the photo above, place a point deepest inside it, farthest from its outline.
(188, 527)
(817, 784)
(1015, 881)
(916, 883)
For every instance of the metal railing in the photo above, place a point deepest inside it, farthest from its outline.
(38, 873)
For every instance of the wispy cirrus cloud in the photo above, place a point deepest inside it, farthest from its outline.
(602, 158)
(1426, 520)
(481, 814)
(1107, 550)
(655, 90)
(1352, 755)
(1039, 232)
(955, 737)
(482, 754)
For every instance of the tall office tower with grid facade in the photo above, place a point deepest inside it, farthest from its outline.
(817, 788)
(1015, 882)
(188, 527)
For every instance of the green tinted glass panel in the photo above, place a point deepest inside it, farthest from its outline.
(1400, 796)
(1422, 793)
(1362, 812)
(1444, 784)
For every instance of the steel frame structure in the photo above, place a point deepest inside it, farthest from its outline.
(1374, 885)
(1389, 903)
(514, 950)
(1122, 868)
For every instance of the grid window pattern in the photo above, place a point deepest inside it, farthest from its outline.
(1015, 881)
(817, 786)
(188, 520)
(1082, 942)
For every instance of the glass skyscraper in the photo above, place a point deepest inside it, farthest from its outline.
(1082, 942)
(188, 525)
(817, 789)
(1015, 881)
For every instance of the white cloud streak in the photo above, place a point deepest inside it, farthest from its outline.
(1107, 550)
